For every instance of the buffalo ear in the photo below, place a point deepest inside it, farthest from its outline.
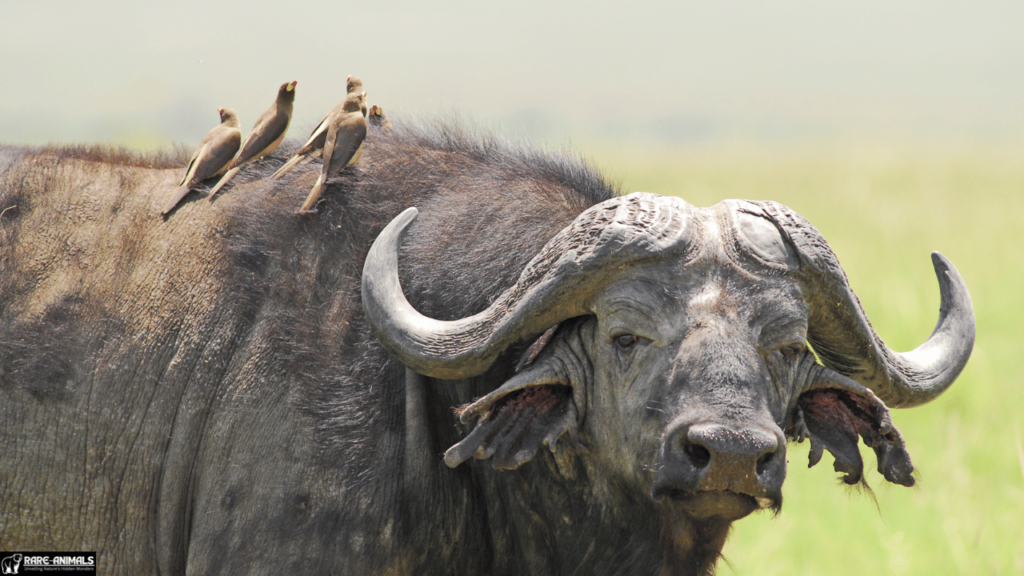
(835, 417)
(533, 408)
(538, 346)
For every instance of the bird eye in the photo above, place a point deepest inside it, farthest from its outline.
(625, 341)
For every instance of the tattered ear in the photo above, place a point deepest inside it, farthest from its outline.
(536, 348)
(835, 412)
(533, 408)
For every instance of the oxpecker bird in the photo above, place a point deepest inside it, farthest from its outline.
(314, 146)
(377, 119)
(266, 134)
(344, 145)
(353, 85)
(211, 158)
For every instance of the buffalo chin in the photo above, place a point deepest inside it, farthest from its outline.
(718, 504)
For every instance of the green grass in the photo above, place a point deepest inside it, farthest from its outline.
(883, 210)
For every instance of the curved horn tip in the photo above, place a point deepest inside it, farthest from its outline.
(409, 214)
(942, 264)
(398, 326)
(944, 268)
(939, 361)
(953, 293)
(385, 247)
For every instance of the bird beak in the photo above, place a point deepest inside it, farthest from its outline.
(293, 84)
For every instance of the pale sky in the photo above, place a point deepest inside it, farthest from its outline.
(136, 72)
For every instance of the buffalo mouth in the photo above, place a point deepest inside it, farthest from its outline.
(721, 504)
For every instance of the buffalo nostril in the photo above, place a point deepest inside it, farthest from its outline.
(699, 455)
(764, 461)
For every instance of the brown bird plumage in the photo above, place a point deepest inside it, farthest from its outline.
(314, 146)
(266, 134)
(353, 85)
(377, 119)
(343, 147)
(211, 157)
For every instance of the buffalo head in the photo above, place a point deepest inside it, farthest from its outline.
(681, 347)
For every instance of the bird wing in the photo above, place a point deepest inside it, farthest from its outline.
(344, 139)
(348, 136)
(268, 130)
(216, 155)
(314, 144)
(190, 169)
(193, 163)
(330, 142)
(316, 137)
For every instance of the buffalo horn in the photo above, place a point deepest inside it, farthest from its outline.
(844, 340)
(556, 285)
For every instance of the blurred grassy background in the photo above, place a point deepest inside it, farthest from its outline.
(884, 209)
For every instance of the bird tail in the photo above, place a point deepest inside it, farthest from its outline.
(178, 195)
(287, 167)
(223, 180)
(314, 194)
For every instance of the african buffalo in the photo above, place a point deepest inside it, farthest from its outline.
(239, 389)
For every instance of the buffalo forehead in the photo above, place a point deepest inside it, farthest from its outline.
(662, 303)
(639, 302)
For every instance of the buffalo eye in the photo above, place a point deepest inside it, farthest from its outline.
(791, 350)
(626, 341)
